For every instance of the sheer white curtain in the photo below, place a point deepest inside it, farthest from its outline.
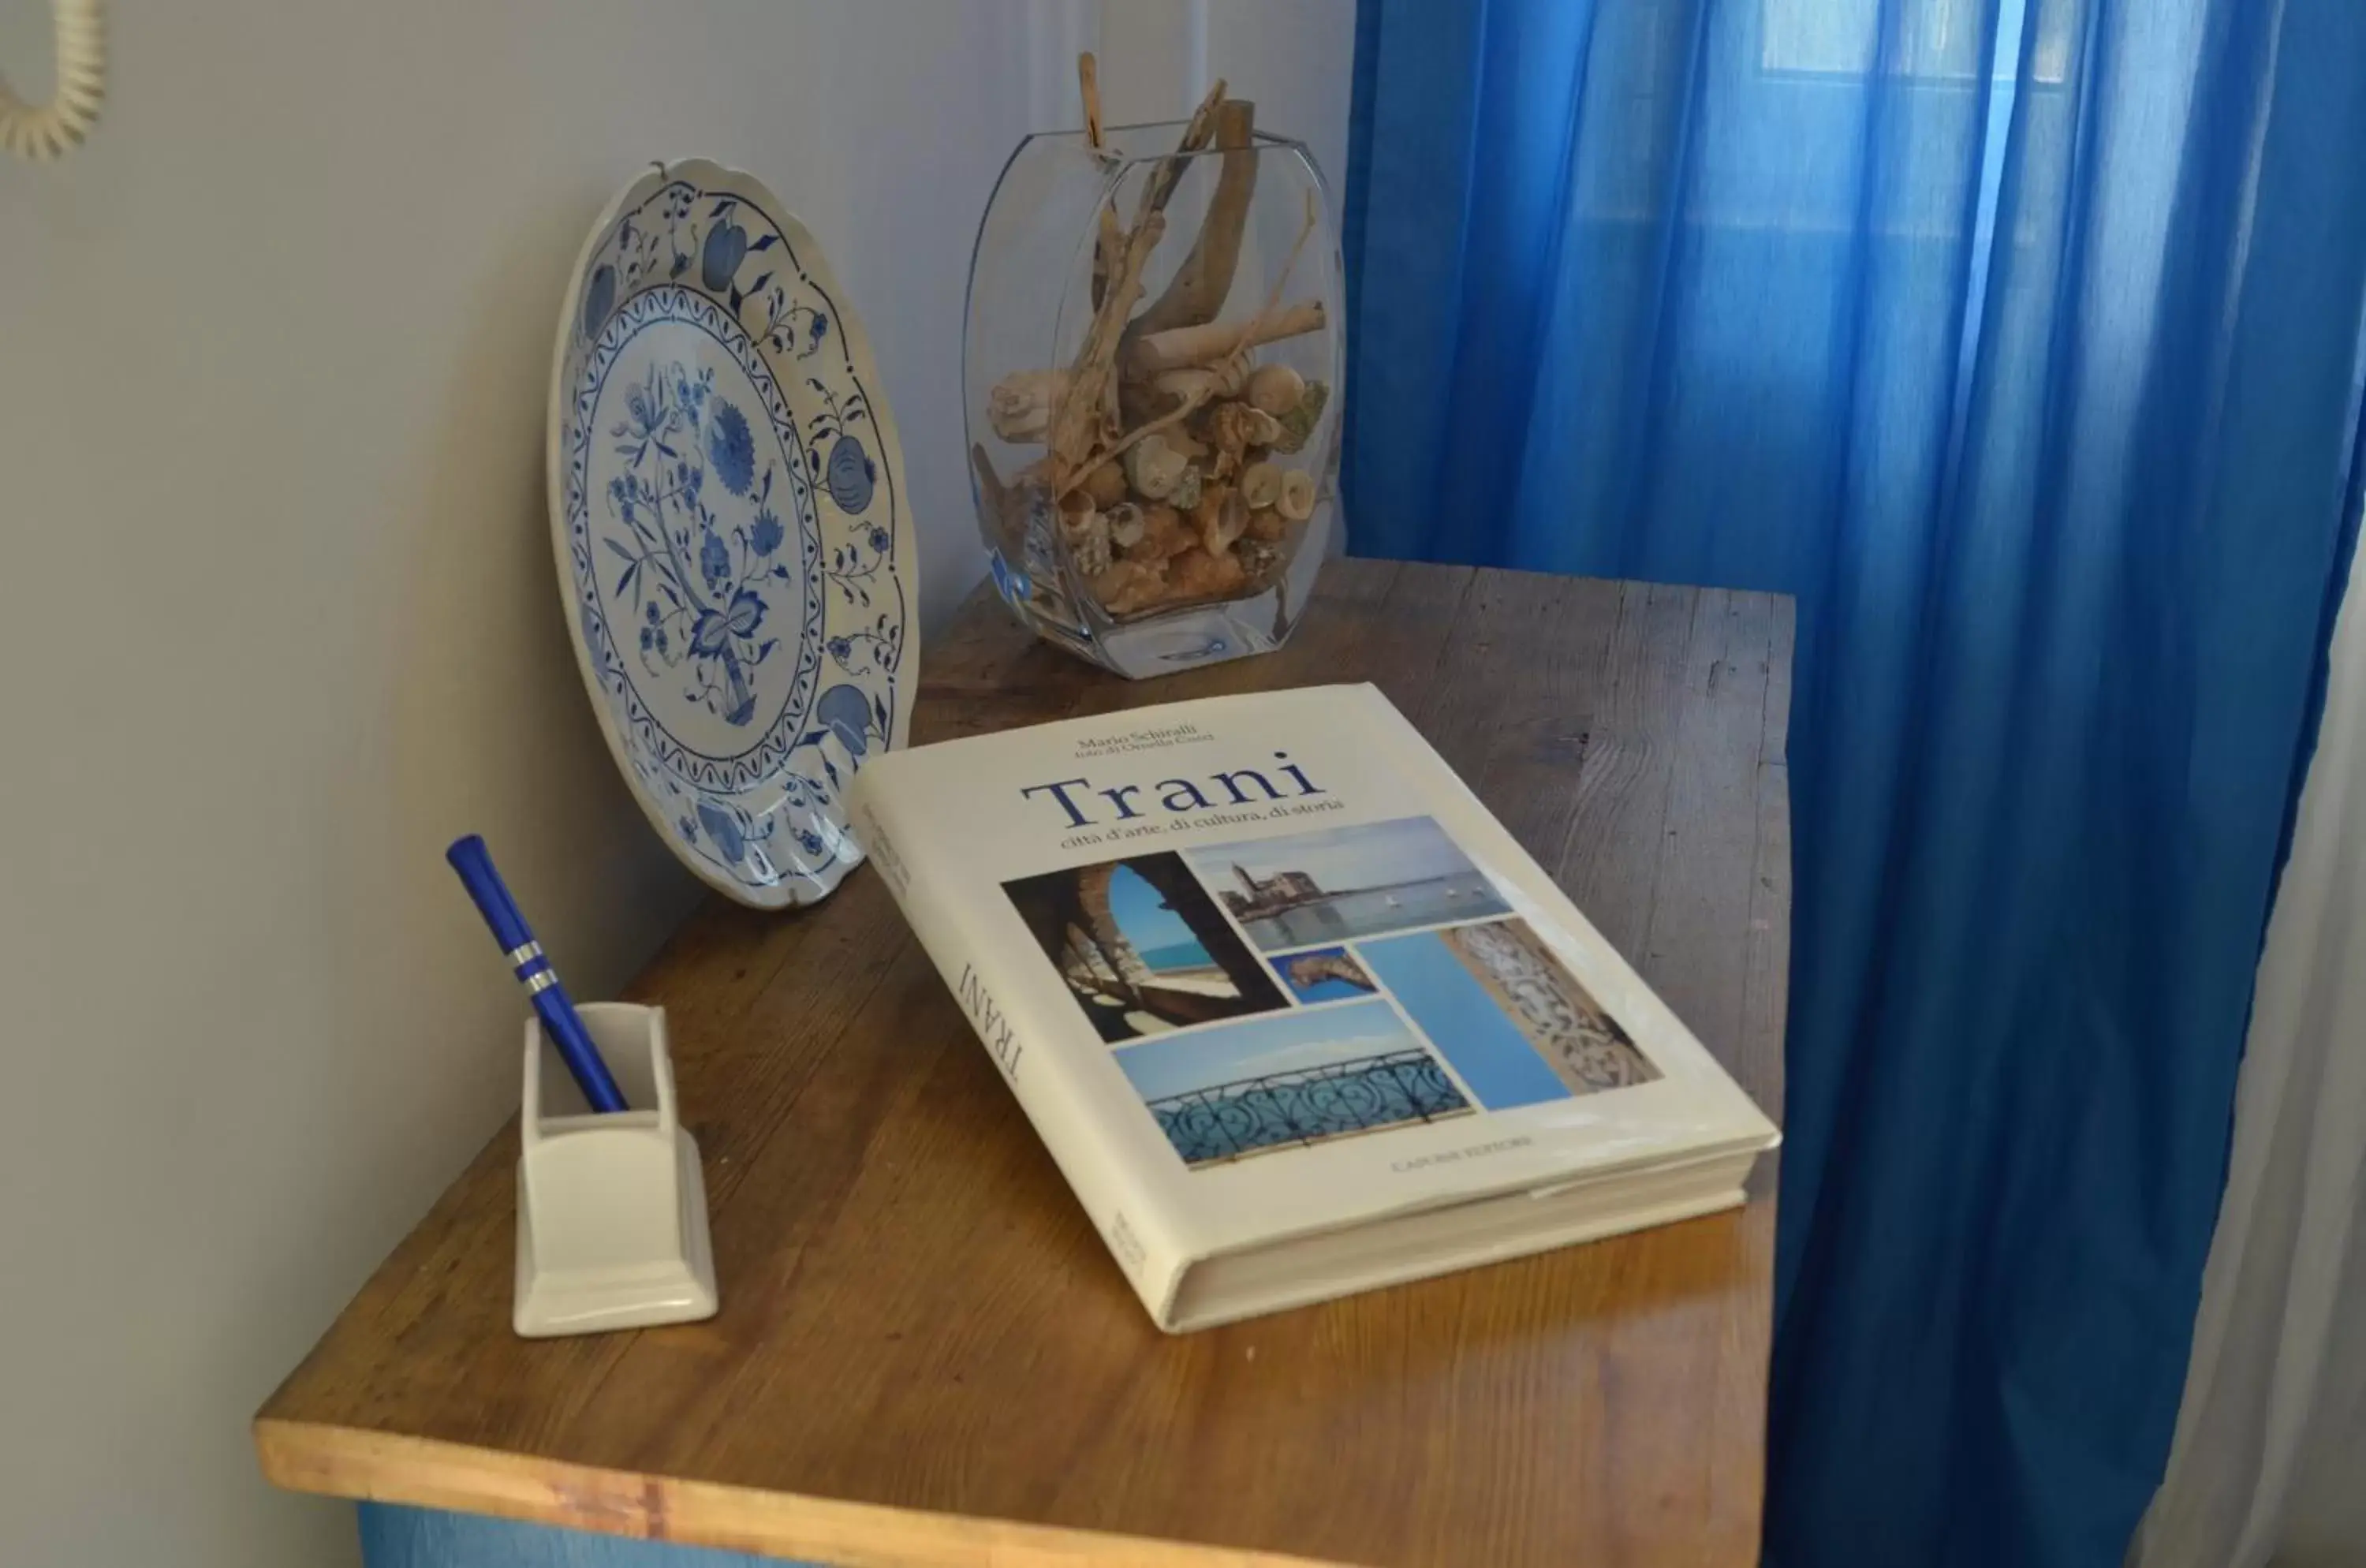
(2269, 1461)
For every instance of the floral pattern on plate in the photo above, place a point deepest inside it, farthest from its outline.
(727, 509)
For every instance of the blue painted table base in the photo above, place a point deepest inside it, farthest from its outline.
(396, 1536)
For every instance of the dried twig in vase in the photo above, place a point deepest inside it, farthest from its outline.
(1207, 382)
(1088, 84)
(1202, 284)
(1107, 242)
(1091, 392)
(1180, 347)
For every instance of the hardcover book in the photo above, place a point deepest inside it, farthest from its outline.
(1292, 1012)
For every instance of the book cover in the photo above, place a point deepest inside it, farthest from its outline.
(1260, 969)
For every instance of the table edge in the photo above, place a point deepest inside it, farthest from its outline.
(430, 1472)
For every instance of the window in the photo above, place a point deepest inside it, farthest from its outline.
(1936, 38)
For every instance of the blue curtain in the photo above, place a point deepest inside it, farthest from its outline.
(2020, 343)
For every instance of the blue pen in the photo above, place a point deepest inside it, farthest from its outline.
(559, 1016)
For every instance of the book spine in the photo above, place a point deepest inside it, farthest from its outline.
(1037, 1079)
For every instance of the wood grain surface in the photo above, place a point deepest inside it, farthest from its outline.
(924, 1356)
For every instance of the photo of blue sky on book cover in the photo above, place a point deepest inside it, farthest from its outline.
(1339, 884)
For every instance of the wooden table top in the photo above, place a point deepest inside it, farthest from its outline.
(924, 1355)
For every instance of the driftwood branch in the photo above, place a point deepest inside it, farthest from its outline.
(1197, 133)
(1021, 406)
(1088, 84)
(1180, 346)
(1092, 391)
(1200, 287)
(1069, 473)
(1107, 241)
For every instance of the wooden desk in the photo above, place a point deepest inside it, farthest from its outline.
(924, 1355)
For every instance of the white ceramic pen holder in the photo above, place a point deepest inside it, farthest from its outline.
(611, 1209)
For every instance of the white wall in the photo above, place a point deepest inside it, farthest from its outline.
(277, 621)
(1290, 57)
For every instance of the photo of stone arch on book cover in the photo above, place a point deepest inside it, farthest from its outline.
(1143, 947)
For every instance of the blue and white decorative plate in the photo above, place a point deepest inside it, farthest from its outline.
(734, 545)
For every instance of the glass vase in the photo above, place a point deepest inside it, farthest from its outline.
(1150, 369)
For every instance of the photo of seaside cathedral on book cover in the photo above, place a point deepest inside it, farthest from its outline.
(1279, 993)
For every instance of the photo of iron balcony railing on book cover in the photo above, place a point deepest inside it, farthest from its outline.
(1275, 994)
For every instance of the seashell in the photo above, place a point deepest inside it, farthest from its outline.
(1223, 518)
(1153, 468)
(1128, 586)
(1298, 423)
(1085, 533)
(1297, 502)
(1267, 525)
(1261, 484)
(1258, 557)
(1020, 405)
(1091, 554)
(1126, 525)
(1195, 574)
(1233, 429)
(1276, 389)
(1225, 426)
(1164, 534)
(1188, 488)
(1106, 485)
